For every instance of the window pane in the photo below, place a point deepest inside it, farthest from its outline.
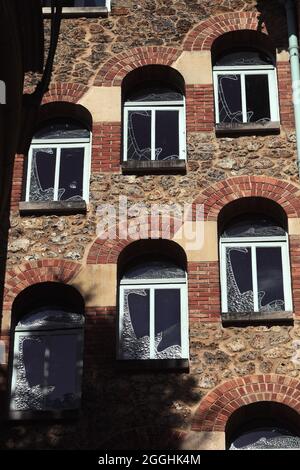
(139, 135)
(229, 96)
(257, 98)
(60, 128)
(167, 323)
(167, 135)
(42, 174)
(244, 57)
(71, 174)
(136, 324)
(266, 438)
(47, 371)
(154, 93)
(270, 279)
(239, 279)
(253, 225)
(159, 269)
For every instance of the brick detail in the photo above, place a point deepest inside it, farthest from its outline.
(219, 404)
(71, 92)
(199, 108)
(17, 182)
(100, 337)
(204, 291)
(294, 242)
(203, 35)
(285, 94)
(106, 147)
(117, 67)
(214, 198)
(105, 251)
(34, 272)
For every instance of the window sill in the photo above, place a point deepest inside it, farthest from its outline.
(39, 415)
(142, 167)
(228, 128)
(237, 318)
(71, 12)
(180, 365)
(52, 208)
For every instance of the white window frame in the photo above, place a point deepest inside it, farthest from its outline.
(152, 285)
(154, 106)
(55, 332)
(253, 243)
(58, 145)
(82, 9)
(268, 70)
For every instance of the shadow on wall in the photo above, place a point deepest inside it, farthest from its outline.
(120, 409)
(273, 17)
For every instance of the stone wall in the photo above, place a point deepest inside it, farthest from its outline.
(122, 409)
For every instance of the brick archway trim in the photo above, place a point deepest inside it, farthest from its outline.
(219, 404)
(203, 34)
(35, 272)
(106, 251)
(116, 68)
(214, 198)
(64, 91)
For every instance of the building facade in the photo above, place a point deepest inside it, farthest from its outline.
(124, 329)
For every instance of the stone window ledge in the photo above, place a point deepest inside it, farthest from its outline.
(52, 207)
(251, 318)
(180, 365)
(228, 128)
(72, 12)
(150, 167)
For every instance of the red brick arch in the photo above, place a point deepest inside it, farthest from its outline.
(105, 250)
(30, 273)
(218, 405)
(203, 34)
(63, 91)
(117, 67)
(214, 198)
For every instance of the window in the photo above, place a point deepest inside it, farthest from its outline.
(153, 119)
(78, 4)
(255, 271)
(47, 358)
(266, 437)
(245, 86)
(59, 162)
(153, 311)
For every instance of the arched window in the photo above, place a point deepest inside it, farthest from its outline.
(154, 115)
(153, 309)
(47, 356)
(254, 254)
(59, 162)
(245, 83)
(263, 426)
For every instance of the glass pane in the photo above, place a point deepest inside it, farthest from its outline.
(257, 98)
(266, 438)
(253, 226)
(167, 324)
(47, 370)
(167, 135)
(42, 174)
(71, 174)
(61, 128)
(139, 135)
(62, 372)
(136, 324)
(239, 279)
(155, 93)
(47, 318)
(230, 99)
(155, 270)
(270, 279)
(243, 57)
